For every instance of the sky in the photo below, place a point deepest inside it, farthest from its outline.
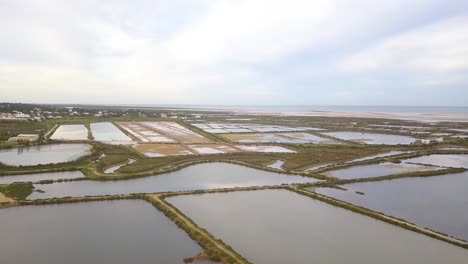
(236, 52)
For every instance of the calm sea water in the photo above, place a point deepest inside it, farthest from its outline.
(332, 108)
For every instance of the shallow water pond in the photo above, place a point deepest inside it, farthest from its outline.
(43, 154)
(378, 170)
(118, 232)
(372, 139)
(277, 165)
(444, 160)
(70, 132)
(35, 177)
(112, 169)
(279, 226)
(438, 202)
(197, 177)
(381, 155)
(106, 131)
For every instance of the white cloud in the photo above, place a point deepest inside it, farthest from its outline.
(160, 51)
(437, 48)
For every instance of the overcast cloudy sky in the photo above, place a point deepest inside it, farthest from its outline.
(307, 52)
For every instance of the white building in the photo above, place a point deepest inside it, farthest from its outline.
(24, 137)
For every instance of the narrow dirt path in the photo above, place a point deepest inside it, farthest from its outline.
(47, 135)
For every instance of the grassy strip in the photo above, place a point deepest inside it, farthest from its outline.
(201, 236)
(90, 132)
(51, 132)
(403, 175)
(130, 135)
(17, 191)
(177, 165)
(66, 200)
(382, 217)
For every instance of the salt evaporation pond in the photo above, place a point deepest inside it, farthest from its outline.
(381, 155)
(43, 154)
(279, 226)
(117, 232)
(106, 131)
(438, 202)
(372, 139)
(277, 165)
(112, 169)
(70, 132)
(443, 160)
(378, 170)
(197, 177)
(35, 177)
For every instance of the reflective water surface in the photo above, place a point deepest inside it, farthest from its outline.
(445, 160)
(106, 131)
(438, 202)
(279, 226)
(373, 139)
(377, 170)
(35, 177)
(43, 154)
(70, 132)
(117, 232)
(197, 177)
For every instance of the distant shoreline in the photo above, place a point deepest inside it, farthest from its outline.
(410, 113)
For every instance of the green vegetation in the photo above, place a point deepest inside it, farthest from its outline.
(404, 175)
(17, 191)
(11, 128)
(90, 133)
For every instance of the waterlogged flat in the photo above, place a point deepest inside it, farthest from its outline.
(378, 170)
(106, 131)
(117, 232)
(112, 169)
(43, 154)
(279, 226)
(444, 160)
(35, 177)
(70, 132)
(372, 139)
(439, 202)
(291, 138)
(381, 155)
(197, 177)
(277, 165)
